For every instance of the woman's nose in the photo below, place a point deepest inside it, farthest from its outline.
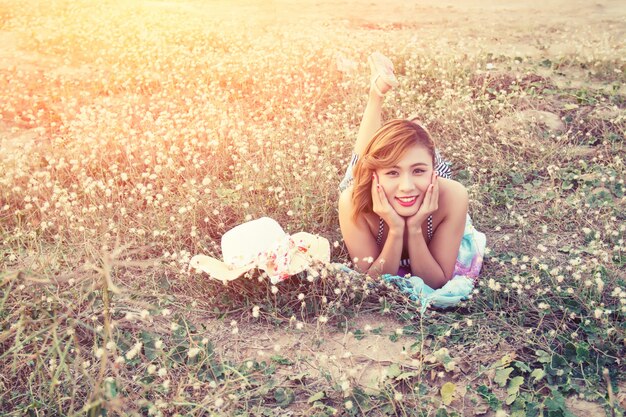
(406, 183)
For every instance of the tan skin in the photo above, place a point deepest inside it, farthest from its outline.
(404, 196)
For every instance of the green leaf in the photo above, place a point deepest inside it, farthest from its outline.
(149, 349)
(489, 396)
(514, 385)
(393, 370)
(281, 360)
(556, 402)
(316, 397)
(284, 396)
(522, 366)
(543, 356)
(537, 374)
(502, 375)
(546, 63)
(442, 412)
(582, 353)
(447, 392)
(110, 388)
(513, 389)
(359, 334)
(406, 375)
(517, 178)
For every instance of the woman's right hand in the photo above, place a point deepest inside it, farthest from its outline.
(383, 209)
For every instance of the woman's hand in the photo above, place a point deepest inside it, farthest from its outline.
(428, 205)
(382, 207)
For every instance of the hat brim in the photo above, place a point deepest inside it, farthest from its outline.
(218, 269)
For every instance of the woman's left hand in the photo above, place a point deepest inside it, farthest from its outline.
(429, 204)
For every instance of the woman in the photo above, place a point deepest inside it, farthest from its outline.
(399, 211)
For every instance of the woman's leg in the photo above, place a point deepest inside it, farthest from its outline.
(381, 69)
(382, 81)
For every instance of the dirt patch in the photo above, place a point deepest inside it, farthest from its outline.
(530, 120)
(582, 408)
(361, 355)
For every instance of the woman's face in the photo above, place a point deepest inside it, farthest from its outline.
(407, 179)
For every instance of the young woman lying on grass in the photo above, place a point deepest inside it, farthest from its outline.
(399, 211)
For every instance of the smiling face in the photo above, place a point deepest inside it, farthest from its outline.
(407, 179)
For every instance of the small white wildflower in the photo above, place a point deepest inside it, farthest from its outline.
(193, 352)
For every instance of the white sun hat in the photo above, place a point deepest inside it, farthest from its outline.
(263, 244)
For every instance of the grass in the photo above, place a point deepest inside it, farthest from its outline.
(132, 142)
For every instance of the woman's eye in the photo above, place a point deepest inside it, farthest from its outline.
(418, 171)
(392, 172)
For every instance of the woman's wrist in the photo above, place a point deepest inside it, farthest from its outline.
(396, 232)
(415, 230)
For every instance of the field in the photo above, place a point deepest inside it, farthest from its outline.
(133, 134)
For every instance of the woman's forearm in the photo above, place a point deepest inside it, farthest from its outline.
(389, 258)
(423, 264)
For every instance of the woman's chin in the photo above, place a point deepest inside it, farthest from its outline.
(406, 211)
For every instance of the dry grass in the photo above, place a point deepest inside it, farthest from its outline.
(133, 135)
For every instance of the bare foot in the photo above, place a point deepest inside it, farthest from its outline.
(383, 78)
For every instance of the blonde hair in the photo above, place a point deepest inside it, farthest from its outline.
(384, 150)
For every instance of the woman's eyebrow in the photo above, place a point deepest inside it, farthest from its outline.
(412, 166)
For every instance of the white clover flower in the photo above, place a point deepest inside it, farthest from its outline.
(193, 352)
(348, 404)
(134, 351)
